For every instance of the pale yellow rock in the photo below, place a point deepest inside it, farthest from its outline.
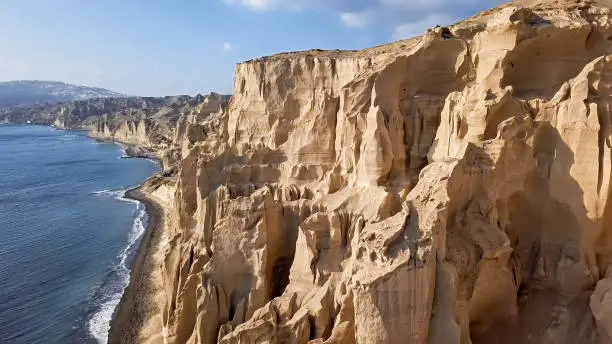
(451, 188)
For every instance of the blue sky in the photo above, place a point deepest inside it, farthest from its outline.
(163, 47)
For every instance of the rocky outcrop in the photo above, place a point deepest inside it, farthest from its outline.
(154, 123)
(452, 188)
(148, 126)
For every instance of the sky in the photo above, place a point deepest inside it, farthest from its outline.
(169, 47)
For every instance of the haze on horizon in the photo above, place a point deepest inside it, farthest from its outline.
(155, 48)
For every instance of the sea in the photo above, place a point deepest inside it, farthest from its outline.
(67, 234)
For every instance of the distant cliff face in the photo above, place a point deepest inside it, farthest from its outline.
(31, 92)
(155, 125)
(452, 188)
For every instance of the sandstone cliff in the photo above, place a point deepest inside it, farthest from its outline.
(451, 188)
(148, 125)
(158, 125)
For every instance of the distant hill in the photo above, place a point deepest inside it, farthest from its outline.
(33, 92)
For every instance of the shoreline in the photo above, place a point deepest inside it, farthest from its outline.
(132, 151)
(136, 304)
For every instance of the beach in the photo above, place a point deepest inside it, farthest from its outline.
(139, 305)
(137, 317)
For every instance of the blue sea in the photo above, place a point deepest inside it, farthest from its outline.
(67, 235)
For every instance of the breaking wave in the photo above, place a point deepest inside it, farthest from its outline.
(109, 294)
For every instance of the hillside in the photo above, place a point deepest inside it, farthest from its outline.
(31, 92)
(151, 126)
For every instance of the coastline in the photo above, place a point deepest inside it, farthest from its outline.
(137, 316)
(131, 150)
(137, 306)
(135, 299)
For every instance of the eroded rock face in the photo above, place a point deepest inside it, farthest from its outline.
(452, 188)
(154, 123)
(149, 126)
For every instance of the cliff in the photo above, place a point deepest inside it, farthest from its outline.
(451, 188)
(148, 125)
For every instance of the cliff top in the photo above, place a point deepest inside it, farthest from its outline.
(548, 9)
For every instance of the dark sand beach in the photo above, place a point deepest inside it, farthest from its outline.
(136, 304)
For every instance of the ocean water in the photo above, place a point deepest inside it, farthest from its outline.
(67, 235)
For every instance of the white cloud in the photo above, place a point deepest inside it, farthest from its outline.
(417, 4)
(355, 19)
(254, 4)
(418, 27)
(260, 4)
(227, 46)
(337, 5)
(402, 18)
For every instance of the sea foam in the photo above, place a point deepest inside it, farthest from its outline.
(109, 295)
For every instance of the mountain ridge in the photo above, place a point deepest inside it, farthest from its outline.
(26, 92)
